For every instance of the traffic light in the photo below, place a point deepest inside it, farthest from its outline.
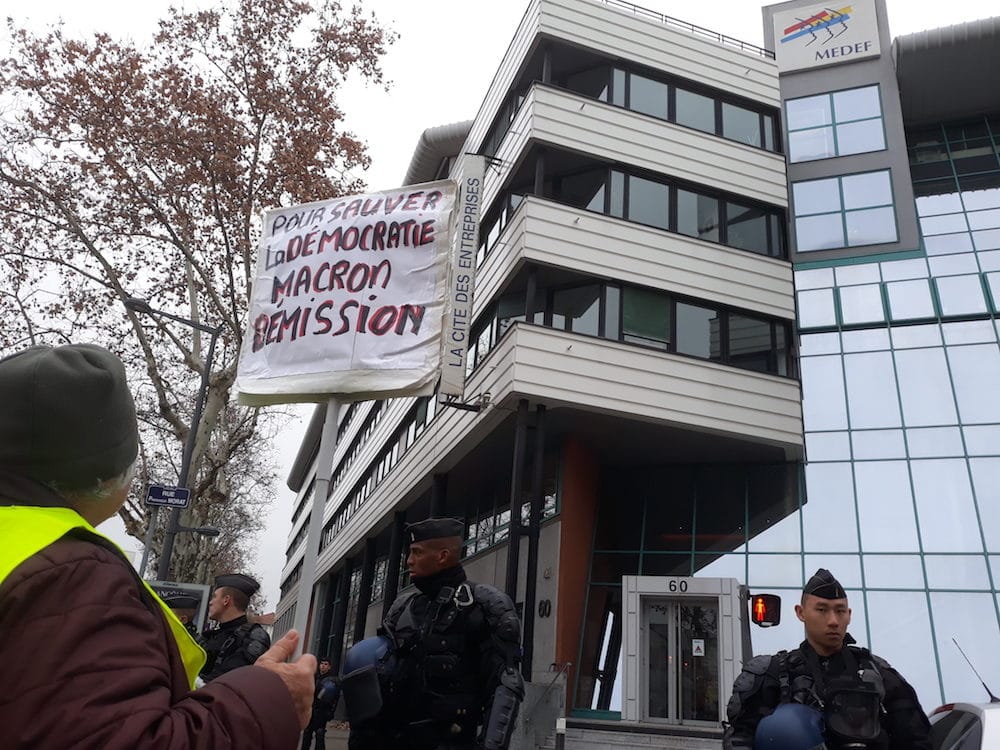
(765, 610)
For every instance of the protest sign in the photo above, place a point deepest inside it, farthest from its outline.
(348, 298)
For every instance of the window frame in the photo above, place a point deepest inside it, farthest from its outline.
(834, 124)
(843, 212)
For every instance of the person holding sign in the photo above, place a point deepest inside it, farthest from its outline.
(94, 657)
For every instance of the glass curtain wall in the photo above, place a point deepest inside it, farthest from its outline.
(718, 520)
(900, 366)
(900, 362)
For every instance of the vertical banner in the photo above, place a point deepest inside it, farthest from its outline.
(348, 297)
(462, 281)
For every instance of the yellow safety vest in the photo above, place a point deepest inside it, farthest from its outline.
(26, 530)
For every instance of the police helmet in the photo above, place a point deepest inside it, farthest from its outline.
(792, 726)
(367, 653)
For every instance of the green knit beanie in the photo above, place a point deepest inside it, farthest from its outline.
(66, 415)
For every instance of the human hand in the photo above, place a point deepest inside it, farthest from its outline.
(297, 676)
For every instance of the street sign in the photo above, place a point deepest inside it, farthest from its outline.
(169, 497)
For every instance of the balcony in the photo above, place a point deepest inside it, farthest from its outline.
(552, 234)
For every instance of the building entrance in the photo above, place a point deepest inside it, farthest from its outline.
(682, 659)
(682, 648)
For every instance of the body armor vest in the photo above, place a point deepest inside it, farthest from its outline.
(851, 700)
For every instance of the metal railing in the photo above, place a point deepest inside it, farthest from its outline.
(690, 28)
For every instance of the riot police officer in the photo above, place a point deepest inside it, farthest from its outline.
(185, 606)
(447, 658)
(236, 642)
(864, 702)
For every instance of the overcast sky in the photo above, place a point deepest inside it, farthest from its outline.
(440, 67)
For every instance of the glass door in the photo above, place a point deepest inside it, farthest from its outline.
(698, 673)
(681, 659)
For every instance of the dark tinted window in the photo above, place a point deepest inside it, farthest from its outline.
(698, 331)
(645, 317)
(584, 190)
(592, 83)
(746, 228)
(577, 309)
(698, 215)
(695, 111)
(740, 124)
(648, 96)
(750, 343)
(648, 202)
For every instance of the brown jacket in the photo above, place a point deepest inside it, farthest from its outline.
(88, 661)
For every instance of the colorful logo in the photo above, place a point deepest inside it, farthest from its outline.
(833, 22)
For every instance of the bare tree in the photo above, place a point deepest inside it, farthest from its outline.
(130, 171)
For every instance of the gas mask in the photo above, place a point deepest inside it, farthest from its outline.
(853, 708)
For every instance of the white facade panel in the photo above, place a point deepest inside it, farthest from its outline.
(668, 47)
(552, 234)
(615, 134)
(562, 368)
(641, 39)
(575, 123)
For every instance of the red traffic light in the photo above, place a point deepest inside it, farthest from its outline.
(765, 610)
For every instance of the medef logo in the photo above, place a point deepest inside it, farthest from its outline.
(823, 27)
(822, 35)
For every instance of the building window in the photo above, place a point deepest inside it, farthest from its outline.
(657, 320)
(695, 111)
(650, 199)
(577, 309)
(352, 608)
(699, 332)
(835, 124)
(698, 215)
(664, 99)
(741, 124)
(645, 318)
(649, 97)
(585, 190)
(592, 82)
(378, 580)
(846, 211)
(648, 202)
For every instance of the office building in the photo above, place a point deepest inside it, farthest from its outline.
(735, 319)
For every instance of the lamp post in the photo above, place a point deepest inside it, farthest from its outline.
(173, 522)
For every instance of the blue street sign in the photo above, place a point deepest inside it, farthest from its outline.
(170, 497)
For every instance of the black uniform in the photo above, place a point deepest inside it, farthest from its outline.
(324, 705)
(455, 643)
(803, 676)
(233, 644)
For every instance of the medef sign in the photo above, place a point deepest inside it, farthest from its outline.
(812, 36)
(348, 297)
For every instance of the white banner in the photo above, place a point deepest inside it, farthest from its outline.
(348, 298)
